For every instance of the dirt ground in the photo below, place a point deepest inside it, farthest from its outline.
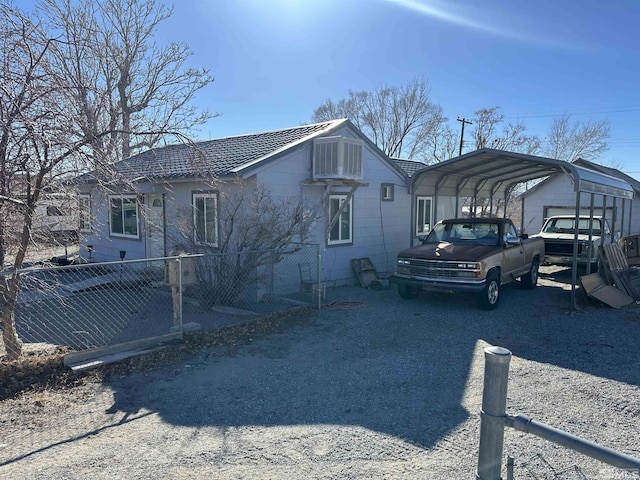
(371, 386)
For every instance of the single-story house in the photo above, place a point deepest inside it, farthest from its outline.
(554, 196)
(361, 195)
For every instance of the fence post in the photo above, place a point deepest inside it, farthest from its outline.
(181, 266)
(319, 282)
(175, 280)
(493, 413)
(510, 466)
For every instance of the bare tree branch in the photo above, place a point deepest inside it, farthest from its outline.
(121, 79)
(571, 140)
(401, 120)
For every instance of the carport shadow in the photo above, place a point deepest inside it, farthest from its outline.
(594, 338)
(390, 366)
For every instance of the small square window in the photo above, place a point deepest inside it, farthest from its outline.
(387, 192)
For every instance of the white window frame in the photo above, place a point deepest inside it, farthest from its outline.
(84, 210)
(122, 198)
(387, 192)
(421, 222)
(213, 242)
(342, 240)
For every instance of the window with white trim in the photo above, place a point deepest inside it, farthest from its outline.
(84, 209)
(123, 214)
(423, 215)
(341, 232)
(387, 192)
(205, 218)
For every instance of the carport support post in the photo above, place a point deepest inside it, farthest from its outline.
(613, 221)
(589, 243)
(574, 263)
(493, 413)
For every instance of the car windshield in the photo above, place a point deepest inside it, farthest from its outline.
(566, 225)
(465, 233)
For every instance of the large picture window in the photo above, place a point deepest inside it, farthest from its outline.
(205, 218)
(123, 211)
(423, 215)
(84, 208)
(341, 232)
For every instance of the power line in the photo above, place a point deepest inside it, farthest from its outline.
(576, 112)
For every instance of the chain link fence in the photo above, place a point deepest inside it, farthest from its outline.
(103, 304)
(541, 467)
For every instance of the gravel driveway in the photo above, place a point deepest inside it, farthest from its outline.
(372, 387)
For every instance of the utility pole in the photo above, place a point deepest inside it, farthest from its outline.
(463, 121)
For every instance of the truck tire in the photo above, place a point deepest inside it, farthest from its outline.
(489, 298)
(530, 280)
(408, 293)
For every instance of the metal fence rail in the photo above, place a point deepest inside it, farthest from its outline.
(494, 419)
(97, 305)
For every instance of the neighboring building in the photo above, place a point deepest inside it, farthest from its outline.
(362, 195)
(555, 196)
(55, 217)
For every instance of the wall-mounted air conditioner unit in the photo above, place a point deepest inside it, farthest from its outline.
(337, 158)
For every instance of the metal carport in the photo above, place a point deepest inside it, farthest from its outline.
(488, 173)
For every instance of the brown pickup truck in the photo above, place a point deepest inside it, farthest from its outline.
(476, 255)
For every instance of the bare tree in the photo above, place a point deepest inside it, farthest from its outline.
(444, 145)
(491, 132)
(401, 120)
(569, 140)
(41, 142)
(255, 230)
(122, 80)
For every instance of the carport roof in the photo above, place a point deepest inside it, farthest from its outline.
(490, 173)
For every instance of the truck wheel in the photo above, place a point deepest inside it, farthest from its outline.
(490, 296)
(530, 280)
(407, 292)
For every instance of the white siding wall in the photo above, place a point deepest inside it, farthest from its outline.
(105, 247)
(380, 228)
(558, 191)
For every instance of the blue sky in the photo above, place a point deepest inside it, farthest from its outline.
(276, 60)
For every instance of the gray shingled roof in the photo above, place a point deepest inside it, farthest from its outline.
(409, 167)
(220, 156)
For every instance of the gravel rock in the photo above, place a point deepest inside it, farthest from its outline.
(370, 387)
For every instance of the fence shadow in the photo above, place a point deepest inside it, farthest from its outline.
(391, 366)
(403, 375)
